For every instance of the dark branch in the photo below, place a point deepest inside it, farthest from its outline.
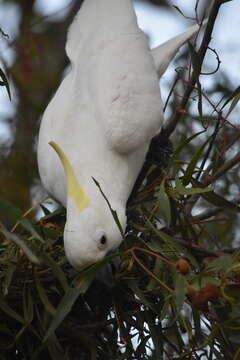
(195, 74)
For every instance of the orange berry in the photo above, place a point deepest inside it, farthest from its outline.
(183, 266)
(211, 291)
(201, 297)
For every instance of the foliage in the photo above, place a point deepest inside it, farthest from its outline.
(175, 293)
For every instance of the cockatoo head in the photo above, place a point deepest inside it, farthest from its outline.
(90, 231)
(91, 234)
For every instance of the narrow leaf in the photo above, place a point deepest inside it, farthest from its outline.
(10, 211)
(45, 210)
(8, 278)
(222, 263)
(63, 310)
(189, 191)
(191, 166)
(10, 312)
(5, 83)
(219, 201)
(195, 60)
(43, 296)
(199, 99)
(56, 269)
(232, 96)
(27, 305)
(233, 104)
(180, 291)
(185, 142)
(178, 9)
(165, 206)
(113, 212)
(16, 239)
(196, 69)
(29, 227)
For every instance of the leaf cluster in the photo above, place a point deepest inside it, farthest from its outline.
(175, 292)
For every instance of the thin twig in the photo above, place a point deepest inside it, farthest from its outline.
(150, 273)
(215, 108)
(234, 138)
(195, 74)
(29, 211)
(218, 63)
(223, 169)
(171, 91)
(206, 214)
(151, 253)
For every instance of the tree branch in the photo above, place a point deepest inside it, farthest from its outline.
(195, 74)
(223, 169)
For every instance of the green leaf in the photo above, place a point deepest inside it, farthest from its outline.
(9, 211)
(222, 263)
(157, 270)
(185, 142)
(113, 212)
(233, 268)
(165, 207)
(43, 296)
(195, 59)
(10, 312)
(189, 191)
(236, 340)
(178, 9)
(170, 244)
(45, 210)
(27, 305)
(5, 83)
(140, 294)
(180, 291)
(219, 201)
(56, 269)
(16, 239)
(196, 69)
(166, 307)
(63, 310)
(232, 96)
(9, 272)
(29, 227)
(191, 167)
(199, 99)
(233, 104)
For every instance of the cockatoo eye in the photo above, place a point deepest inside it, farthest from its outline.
(103, 240)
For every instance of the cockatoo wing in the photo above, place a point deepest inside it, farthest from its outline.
(112, 62)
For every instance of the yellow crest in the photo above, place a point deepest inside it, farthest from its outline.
(74, 190)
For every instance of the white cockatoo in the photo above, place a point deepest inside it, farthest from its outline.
(100, 123)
